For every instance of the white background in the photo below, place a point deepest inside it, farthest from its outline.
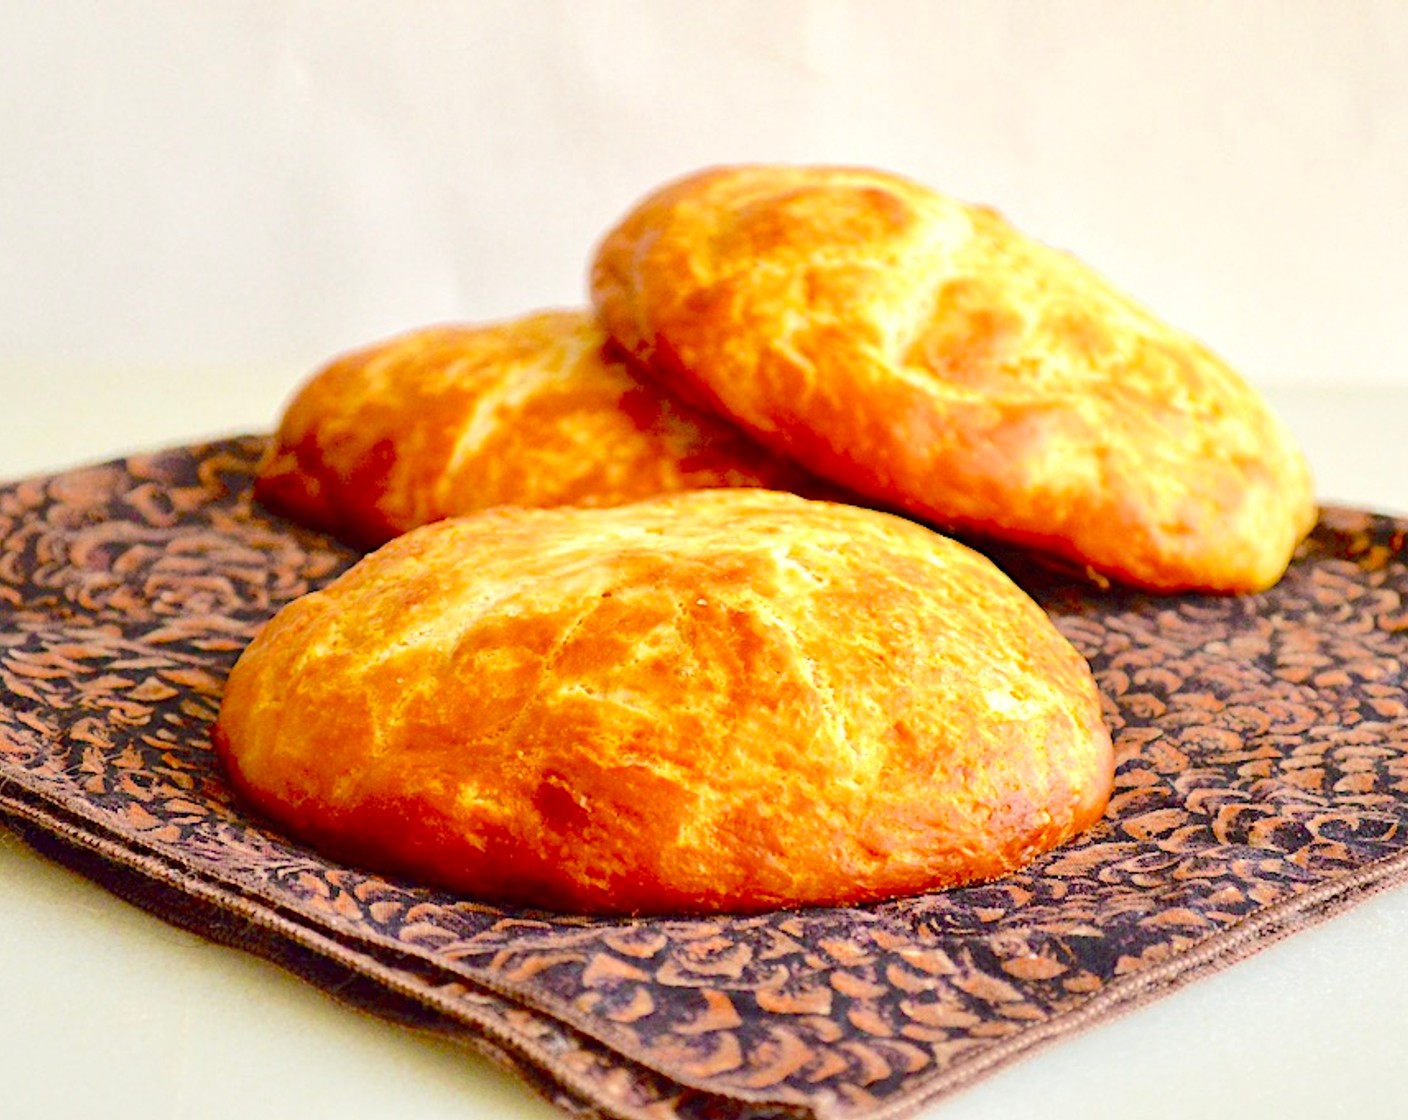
(200, 203)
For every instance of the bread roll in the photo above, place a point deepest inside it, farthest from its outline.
(925, 354)
(534, 411)
(722, 700)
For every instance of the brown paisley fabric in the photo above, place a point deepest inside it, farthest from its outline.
(1262, 785)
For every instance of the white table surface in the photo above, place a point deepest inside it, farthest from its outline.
(106, 1011)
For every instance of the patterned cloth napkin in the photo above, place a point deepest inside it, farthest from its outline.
(1262, 786)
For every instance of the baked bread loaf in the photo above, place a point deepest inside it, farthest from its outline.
(925, 354)
(537, 411)
(713, 701)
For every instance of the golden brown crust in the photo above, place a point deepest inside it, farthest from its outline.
(925, 354)
(725, 700)
(536, 411)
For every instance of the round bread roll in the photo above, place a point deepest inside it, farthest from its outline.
(925, 354)
(536, 411)
(715, 701)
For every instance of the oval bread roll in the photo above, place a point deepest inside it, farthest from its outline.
(715, 701)
(925, 354)
(535, 411)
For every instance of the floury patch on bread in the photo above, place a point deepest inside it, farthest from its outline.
(719, 700)
(535, 411)
(924, 354)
